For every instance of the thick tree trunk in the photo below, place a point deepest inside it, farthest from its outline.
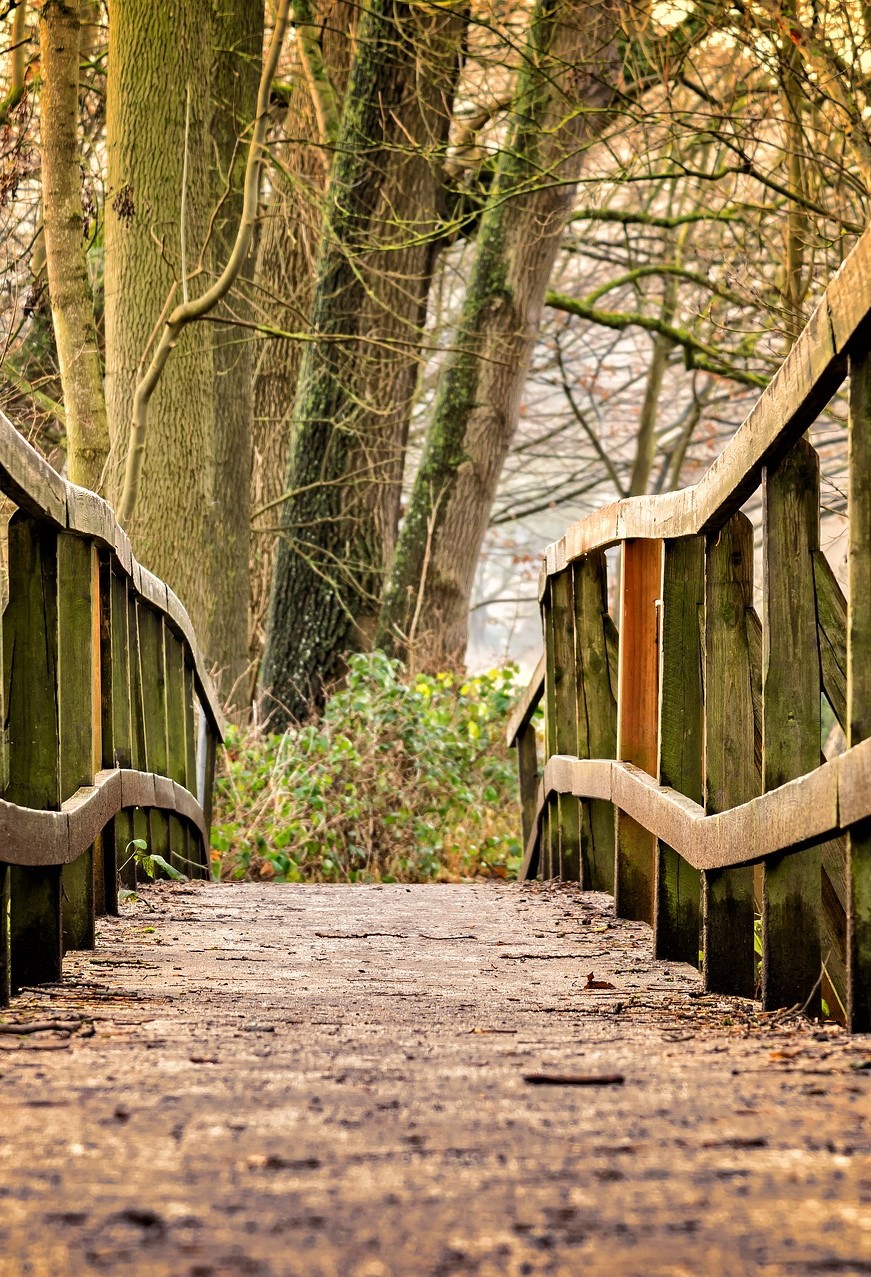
(285, 276)
(238, 44)
(72, 306)
(358, 376)
(160, 62)
(562, 101)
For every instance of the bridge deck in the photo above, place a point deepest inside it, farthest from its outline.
(330, 1082)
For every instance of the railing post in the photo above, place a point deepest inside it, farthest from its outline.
(116, 724)
(176, 688)
(859, 691)
(791, 958)
(730, 768)
(597, 713)
(152, 658)
(30, 651)
(138, 753)
(527, 778)
(638, 704)
(78, 706)
(681, 739)
(562, 722)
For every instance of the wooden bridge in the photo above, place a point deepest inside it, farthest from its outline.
(700, 725)
(484, 1079)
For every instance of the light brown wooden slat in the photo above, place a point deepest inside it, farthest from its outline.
(637, 714)
(832, 636)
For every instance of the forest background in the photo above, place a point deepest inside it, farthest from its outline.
(351, 308)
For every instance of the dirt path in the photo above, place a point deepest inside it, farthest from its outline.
(329, 1081)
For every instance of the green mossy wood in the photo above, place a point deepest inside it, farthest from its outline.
(791, 954)
(681, 740)
(730, 771)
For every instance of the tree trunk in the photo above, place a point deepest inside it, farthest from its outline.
(238, 44)
(285, 283)
(562, 102)
(358, 376)
(160, 62)
(72, 305)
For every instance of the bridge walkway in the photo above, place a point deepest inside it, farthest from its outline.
(330, 1082)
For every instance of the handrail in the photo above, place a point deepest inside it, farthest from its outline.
(35, 487)
(527, 705)
(802, 386)
(31, 836)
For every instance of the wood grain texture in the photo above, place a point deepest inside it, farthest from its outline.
(30, 652)
(75, 696)
(566, 698)
(832, 636)
(596, 681)
(731, 776)
(858, 711)
(791, 719)
(677, 916)
(637, 714)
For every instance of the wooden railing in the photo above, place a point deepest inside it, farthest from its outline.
(702, 732)
(110, 722)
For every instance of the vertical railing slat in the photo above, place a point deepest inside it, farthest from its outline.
(638, 706)
(565, 722)
(30, 639)
(681, 736)
(791, 955)
(730, 769)
(75, 580)
(597, 713)
(859, 690)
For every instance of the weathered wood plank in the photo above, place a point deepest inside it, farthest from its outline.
(858, 711)
(138, 753)
(174, 664)
(730, 771)
(565, 724)
(638, 705)
(832, 636)
(791, 720)
(30, 650)
(152, 662)
(677, 922)
(76, 658)
(527, 778)
(597, 711)
(549, 858)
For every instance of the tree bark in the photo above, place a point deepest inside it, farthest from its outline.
(357, 376)
(238, 45)
(72, 305)
(285, 276)
(160, 59)
(563, 100)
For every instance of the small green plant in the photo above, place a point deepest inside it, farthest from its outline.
(400, 779)
(149, 864)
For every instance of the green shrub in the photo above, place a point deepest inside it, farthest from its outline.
(397, 781)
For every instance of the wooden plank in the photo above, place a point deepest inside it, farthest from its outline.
(638, 707)
(174, 664)
(5, 936)
(114, 717)
(30, 640)
(730, 771)
(791, 721)
(597, 711)
(153, 676)
(549, 857)
(832, 636)
(76, 658)
(527, 778)
(141, 830)
(677, 922)
(565, 724)
(527, 705)
(858, 711)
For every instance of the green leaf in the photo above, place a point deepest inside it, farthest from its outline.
(168, 869)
